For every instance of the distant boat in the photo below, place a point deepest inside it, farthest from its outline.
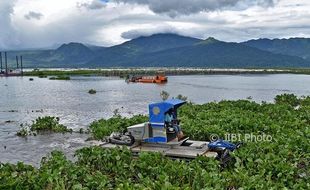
(159, 79)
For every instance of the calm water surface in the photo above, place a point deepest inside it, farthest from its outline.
(21, 101)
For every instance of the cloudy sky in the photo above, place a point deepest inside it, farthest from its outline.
(48, 23)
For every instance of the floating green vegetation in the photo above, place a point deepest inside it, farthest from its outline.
(23, 131)
(43, 124)
(97, 168)
(92, 91)
(282, 162)
(289, 99)
(60, 78)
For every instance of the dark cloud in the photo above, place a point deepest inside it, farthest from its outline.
(33, 15)
(186, 7)
(93, 5)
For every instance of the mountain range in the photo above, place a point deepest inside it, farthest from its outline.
(171, 50)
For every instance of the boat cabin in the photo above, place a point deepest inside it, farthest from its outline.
(157, 130)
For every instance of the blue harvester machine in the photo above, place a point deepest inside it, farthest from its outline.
(157, 136)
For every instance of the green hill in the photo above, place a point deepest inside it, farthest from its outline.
(213, 53)
(173, 50)
(294, 46)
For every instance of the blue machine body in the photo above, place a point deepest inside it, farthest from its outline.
(157, 113)
(222, 144)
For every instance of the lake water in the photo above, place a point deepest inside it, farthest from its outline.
(22, 101)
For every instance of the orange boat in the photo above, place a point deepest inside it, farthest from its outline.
(149, 79)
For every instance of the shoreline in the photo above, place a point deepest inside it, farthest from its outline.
(122, 72)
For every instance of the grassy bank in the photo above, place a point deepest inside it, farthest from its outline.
(167, 71)
(281, 162)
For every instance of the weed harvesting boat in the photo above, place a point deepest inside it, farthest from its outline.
(162, 133)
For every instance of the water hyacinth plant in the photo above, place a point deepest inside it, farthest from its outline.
(61, 77)
(43, 124)
(281, 162)
(92, 91)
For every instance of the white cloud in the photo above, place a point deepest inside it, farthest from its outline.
(109, 23)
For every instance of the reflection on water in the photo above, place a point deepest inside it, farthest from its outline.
(22, 101)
